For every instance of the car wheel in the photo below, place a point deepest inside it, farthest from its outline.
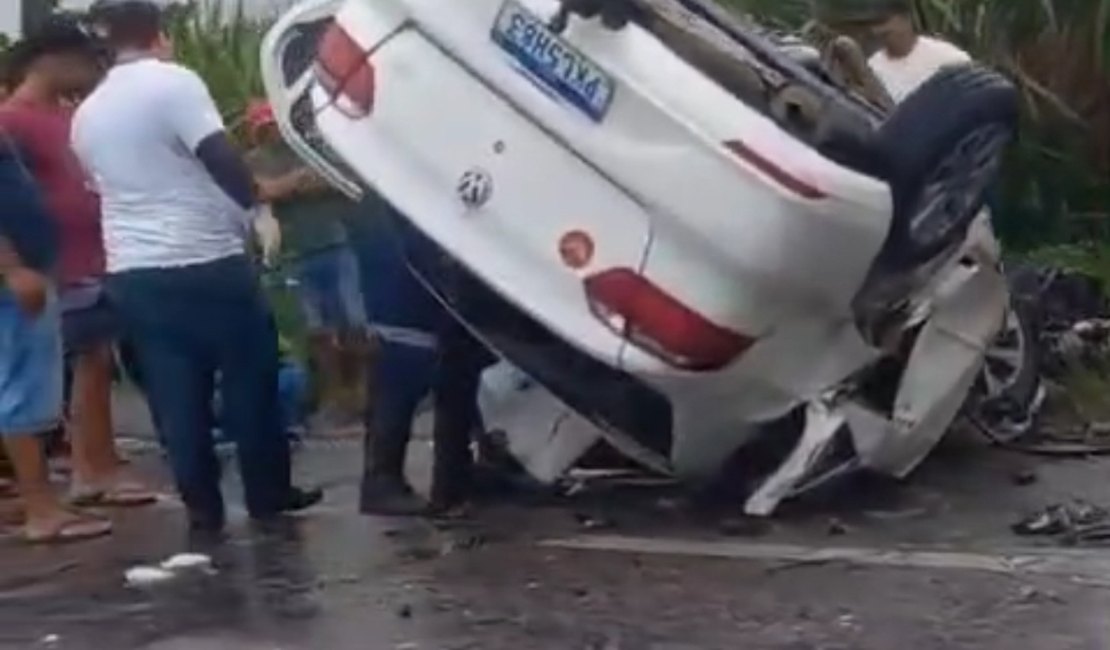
(1009, 391)
(942, 149)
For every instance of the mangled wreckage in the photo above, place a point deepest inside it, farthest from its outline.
(695, 230)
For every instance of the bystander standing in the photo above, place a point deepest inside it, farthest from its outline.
(312, 216)
(51, 70)
(177, 203)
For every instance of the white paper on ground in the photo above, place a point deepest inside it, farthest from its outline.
(145, 576)
(185, 561)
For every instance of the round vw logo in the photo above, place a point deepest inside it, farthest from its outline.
(475, 187)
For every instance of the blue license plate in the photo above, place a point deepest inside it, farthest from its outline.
(554, 63)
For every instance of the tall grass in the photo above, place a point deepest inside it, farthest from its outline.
(1056, 186)
(219, 41)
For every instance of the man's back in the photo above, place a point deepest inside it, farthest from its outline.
(136, 135)
(902, 76)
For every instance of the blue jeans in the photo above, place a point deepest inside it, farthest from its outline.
(329, 291)
(30, 368)
(187, 325)
(292, 388)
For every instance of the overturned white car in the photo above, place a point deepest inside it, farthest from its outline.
(693, 234)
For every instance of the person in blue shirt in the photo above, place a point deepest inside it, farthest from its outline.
(31, 353)
(423, 350)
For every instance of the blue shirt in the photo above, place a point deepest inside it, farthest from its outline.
(397, 304)
(24, 219)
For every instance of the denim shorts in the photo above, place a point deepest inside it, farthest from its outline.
(30, 368)
(329, 291)
(88, 318)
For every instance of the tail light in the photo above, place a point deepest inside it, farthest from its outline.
(344, 70)
(634, 307)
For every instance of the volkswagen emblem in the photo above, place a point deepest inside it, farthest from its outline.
(475, 187)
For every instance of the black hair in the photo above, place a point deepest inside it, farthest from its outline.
(127, 24)
(59, 34)
(896, 7)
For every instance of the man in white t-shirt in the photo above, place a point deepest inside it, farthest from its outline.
(908, 59)
(177, 202)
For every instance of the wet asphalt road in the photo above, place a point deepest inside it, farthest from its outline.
(334, 580)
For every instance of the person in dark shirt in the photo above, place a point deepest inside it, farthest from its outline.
(54, 66)
(423, 350)
(314, 242)
(31, 363)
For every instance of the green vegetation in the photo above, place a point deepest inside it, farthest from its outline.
(1056, 186)
(222, 44)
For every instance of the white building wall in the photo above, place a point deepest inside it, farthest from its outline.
(9, 18)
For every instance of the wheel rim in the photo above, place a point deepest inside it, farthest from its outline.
(955, 188)
(1005, 359)
(998, 412)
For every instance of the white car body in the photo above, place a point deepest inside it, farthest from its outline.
(679, 184)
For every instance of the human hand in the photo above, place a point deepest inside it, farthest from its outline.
(267, 231)
(30, 289)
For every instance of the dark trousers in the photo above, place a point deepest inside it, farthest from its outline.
(187, 325)
(405, 376)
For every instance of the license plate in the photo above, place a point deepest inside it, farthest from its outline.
(551, 61)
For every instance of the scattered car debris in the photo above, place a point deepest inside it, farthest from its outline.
(1024, 477)
(1072, 523)
(836, 528)
(593, 522)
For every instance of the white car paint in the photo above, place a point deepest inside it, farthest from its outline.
(657, 190)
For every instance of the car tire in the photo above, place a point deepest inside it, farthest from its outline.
(1010, 393)
(942, 148)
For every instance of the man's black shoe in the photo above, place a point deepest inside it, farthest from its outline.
(296, 500)
(389, 497)
(300, 499)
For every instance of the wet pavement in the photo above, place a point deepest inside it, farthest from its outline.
(931, 564)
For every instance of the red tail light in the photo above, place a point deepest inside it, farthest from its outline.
(343, 68)
(633, 306)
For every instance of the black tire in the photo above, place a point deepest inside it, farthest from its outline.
(942, 148)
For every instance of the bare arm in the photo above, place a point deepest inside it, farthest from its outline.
(9, 258)
(299, 183)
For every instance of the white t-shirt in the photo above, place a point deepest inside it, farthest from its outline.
(135, 135)
(903, 76)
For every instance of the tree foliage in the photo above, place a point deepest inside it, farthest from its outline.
(1056, 185)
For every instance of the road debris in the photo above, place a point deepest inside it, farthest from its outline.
(170, 568)
(187, 561)
(1071, 523)
(147, 576)
(836, 528)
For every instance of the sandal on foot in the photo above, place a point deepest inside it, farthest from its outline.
(74, 528)
(120, 495)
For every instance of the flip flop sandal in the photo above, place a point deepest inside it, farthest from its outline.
(123, 495)
(77, 529)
